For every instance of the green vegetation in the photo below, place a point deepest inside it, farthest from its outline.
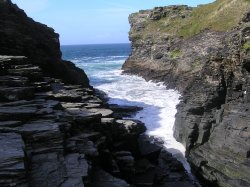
(175, 53)
(221, 15)
(246, 46)
(196, 63)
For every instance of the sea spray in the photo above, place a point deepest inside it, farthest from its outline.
(103, 66)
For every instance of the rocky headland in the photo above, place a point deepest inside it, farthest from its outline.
(204, 53)
(56, 130)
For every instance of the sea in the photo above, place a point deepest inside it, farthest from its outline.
(102, 63)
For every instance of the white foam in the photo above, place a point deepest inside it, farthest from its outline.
(159, 106)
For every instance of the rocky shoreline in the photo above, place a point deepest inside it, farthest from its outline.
(57, 134)
(55, 130)
(211, 71)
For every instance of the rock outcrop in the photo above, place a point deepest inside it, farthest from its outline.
(22, 36)
(211, 70)
(54, 128)
(56, 134)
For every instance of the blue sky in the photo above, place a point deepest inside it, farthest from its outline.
(91, 21)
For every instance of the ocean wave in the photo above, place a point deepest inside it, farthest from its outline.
(158, 103)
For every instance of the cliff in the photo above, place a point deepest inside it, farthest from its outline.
(204, 53)
(22, 36)
(55, 129)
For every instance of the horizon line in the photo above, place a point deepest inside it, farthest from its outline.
(93, 44)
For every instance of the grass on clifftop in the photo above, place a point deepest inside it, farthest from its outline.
(175, 54)
(221, 15)
(246, 46)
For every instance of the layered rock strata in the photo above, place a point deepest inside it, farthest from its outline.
(54, 128)
(55, 134)
(211, 70)
(20, 35)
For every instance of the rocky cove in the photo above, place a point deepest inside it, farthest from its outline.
(56, 130)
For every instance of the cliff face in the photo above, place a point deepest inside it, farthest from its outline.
(209, 64)
(53, 133)
(20, 35)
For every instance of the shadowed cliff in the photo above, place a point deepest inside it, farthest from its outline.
(54, 133)
(22, 36)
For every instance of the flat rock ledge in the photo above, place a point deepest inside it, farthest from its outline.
(53, 134)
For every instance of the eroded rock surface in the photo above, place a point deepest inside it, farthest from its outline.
(20, 35)
(54, 128)
(53, 135)
(211, 70)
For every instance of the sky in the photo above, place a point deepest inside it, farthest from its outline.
(91, 21)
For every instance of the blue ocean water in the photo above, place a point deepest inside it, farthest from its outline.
(97, 59)
(102, 64)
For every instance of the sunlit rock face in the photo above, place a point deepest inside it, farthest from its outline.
(211, 70)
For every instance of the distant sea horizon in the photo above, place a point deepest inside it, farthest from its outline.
(94, 44)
